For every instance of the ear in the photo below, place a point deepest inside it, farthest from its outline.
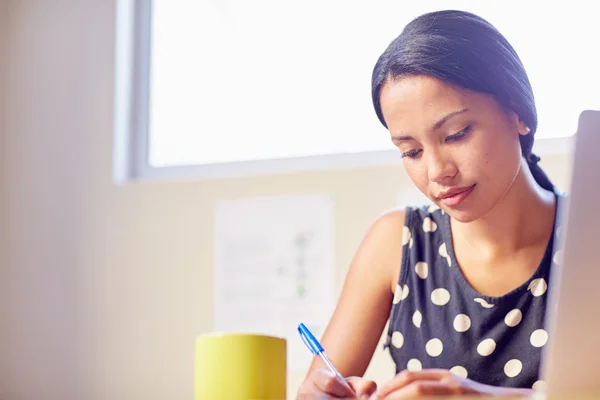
(522, 128)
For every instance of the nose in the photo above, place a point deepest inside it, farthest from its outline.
(440, 168)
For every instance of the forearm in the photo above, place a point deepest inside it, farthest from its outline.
(509, 392)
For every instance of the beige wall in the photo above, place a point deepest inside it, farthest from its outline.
(4, 277)
(110, 284)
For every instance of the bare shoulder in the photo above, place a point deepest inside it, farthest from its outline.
(366, 299)
(388, 229)
(391, 220)
(383, 244)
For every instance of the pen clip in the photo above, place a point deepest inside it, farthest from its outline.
(309, 340)
(307, 344)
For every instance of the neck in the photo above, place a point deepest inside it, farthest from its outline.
(520, 218)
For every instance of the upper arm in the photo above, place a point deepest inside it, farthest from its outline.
(365, 302)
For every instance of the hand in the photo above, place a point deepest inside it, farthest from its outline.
(323, 384)
(438, 382)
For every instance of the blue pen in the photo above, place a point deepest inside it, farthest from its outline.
(315, 347)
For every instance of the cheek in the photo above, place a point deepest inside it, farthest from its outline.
(417, 173)
(499, 159)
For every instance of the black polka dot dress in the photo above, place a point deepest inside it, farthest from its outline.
(439, 321)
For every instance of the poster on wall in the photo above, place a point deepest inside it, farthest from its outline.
(275, 268)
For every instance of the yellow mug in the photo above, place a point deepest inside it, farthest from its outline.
(239, 366)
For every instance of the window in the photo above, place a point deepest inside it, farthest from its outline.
(216, 83)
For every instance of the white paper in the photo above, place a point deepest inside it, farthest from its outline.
(275, 268)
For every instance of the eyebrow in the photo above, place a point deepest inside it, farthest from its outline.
(436, 126)
(442, 121)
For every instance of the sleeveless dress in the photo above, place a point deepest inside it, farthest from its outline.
(438, 320)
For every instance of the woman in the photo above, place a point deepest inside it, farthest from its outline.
(463, 282)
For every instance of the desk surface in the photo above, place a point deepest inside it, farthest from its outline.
(533, 397)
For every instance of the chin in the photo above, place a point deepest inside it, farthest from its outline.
(471, 209)
(465, 216)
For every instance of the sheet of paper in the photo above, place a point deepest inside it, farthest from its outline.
(275, 268)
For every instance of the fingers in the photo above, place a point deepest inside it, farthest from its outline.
(421, 389)
(405, 378)
(322, 384)
(328, 383)
(362, 387)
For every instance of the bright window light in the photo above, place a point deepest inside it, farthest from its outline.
(254, 80)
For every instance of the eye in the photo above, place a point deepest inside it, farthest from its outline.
(412, 153)
(459, 135)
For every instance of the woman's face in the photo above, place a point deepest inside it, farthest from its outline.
(460, 148)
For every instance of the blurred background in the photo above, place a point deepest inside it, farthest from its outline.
(108, 194)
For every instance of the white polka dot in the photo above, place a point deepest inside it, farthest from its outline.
(406, 235)
(486, 347)
(540, 386)
(440, 297)
(538, 287)
(417, 318)
(444, 253)
(414, 365)
(397, 340)
(433, 208)
(462, 323)
(405, 291)
(513, 318)
(483, 303)
(557, 257)
(459, 371)
(434, 347)
(411, 243)
(429, 225)
(513, 368)
(539, 338)
(422, 270)
(397, 294)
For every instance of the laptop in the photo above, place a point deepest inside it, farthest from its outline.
(571, 361)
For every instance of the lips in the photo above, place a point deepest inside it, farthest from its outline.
(455, 196)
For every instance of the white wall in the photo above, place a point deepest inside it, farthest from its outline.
(110, 285)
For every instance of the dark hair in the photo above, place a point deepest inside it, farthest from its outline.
(464, 50)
